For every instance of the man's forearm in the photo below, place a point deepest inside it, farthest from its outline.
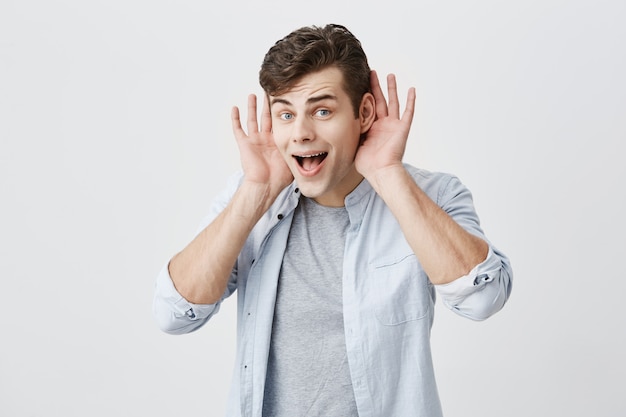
(200, 272)
(445, 250)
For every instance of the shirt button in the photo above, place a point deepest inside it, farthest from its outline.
(482, 278)
(297, 190)
(280, 216)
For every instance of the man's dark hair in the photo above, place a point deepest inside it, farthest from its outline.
(313, 48)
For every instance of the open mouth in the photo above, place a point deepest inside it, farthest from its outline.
(312, 161)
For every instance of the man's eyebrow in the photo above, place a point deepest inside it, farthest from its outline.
(310, 100)
(315, 99)
(279, 101)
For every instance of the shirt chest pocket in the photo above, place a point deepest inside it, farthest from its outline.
(402, 291)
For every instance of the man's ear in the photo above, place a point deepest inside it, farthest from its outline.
(367, 112)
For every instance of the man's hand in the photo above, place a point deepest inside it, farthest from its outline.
(385, 142)
(261, 161)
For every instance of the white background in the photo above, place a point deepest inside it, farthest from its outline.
(115, 135)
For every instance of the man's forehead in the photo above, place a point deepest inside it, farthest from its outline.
(327, 83)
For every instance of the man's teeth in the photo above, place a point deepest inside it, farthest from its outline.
(300, 158)
(310, 161)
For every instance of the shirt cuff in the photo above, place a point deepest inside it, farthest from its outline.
(180, 307)
(476, 280)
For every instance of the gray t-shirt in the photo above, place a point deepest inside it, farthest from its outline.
(308, 373)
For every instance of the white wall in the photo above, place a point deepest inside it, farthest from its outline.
(115, 134)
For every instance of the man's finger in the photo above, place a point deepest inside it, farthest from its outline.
(392, 93)
(379, 97)
(266, 116)
(236, 123)
(407, 116)
(253, 125)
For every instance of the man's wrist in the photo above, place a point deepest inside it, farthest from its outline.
(384, 178)
(257, 196)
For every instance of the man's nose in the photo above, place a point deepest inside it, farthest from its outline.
(302, 130)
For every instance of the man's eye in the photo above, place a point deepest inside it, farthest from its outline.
(323, 112)
(286, 116)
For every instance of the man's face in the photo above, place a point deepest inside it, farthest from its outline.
(315, 130)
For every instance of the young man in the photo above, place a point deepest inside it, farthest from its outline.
(334, 245)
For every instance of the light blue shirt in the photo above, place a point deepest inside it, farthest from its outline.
(388, 301)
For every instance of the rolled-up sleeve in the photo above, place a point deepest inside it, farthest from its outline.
(483, 291)
(172, 312)
(487, 287)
